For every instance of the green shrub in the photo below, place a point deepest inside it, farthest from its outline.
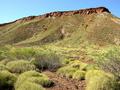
(2, 55)
(21, 53)
(3, 52)
(50, 61)
(7, 80)
(92, 73)
(79, 75)
(112, 65)
(43, 58)
(5, 61)
(33, 77)
(67, 71)
(3, 67)
(30, 86)
(99, 80)
(108, 59)
(20, 66)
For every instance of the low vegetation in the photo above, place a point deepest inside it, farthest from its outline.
(79, 75)
(67, 71)
(32, 77)
(75, 69)
(99, 80)
(111, 61)
(30, 86)
(99, 75)
(7, 80)
(3, 67)
(20, 66)
(49, 61)
(78, 47)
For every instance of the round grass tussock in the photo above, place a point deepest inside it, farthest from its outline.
(99, 80)
(92, 73)
(22, 53)
(7, 79)
(3, 67)
(79, 75)
(5, 61)
(78, 64)
(67, 71)
(20, 66)
(71, 68)
(30, 86)
(33, 77)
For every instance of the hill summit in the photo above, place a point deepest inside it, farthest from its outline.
(83, 12)
(92, 25)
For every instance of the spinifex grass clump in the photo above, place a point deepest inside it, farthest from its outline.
(99, 80)
(5, 61)
(20, 66)
(33, 77)
(67, 71)
(7, 80)
(3, 67)
(75, 70)
(30, 86)
(79, 75)
(21, 53)
(77, 64)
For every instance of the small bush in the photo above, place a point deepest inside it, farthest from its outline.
(3, 67)
(20, 66)
(7, 80)
(108, 59)
(92, 73)
(30, 86)
(5, 61)
(21, 53)
(33, 77)
(79, 75)
(67, 71)
(99, 80)
(43, 57)
(2, 55)
(112, 65)
(49, 61)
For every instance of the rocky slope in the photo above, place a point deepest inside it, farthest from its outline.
(63, 13)
(67, 27)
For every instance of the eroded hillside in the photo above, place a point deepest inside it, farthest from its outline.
(94, 25)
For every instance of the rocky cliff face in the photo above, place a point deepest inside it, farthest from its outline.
(82, 12)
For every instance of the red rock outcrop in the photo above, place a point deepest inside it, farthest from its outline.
(83, 12)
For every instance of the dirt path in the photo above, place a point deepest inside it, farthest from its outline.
(62, 83)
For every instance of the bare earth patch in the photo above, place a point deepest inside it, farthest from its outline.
(62, 83)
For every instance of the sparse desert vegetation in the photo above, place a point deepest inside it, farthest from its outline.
(68, 52)
(25, 67)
